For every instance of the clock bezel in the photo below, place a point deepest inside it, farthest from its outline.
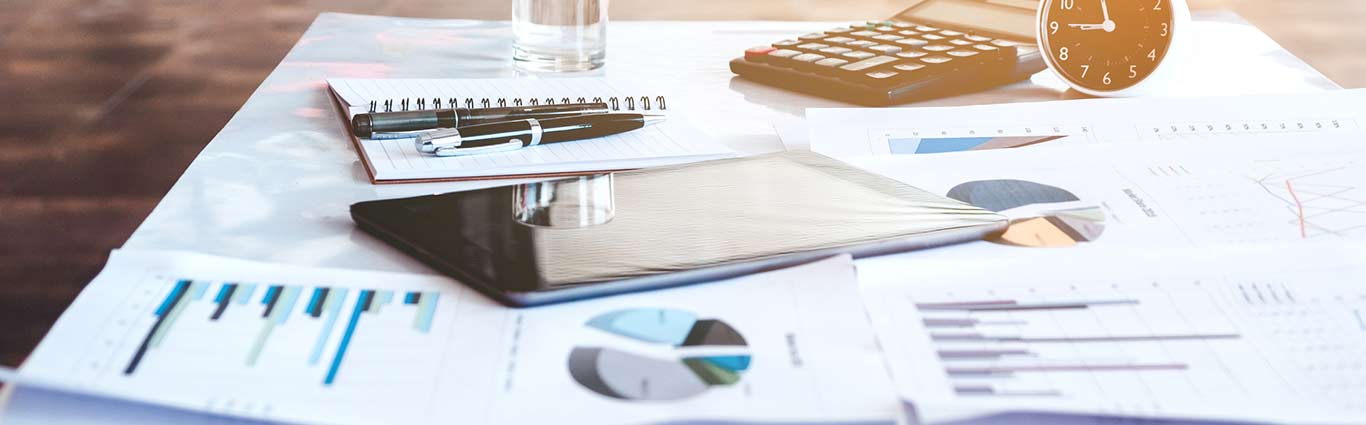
(1154, 81)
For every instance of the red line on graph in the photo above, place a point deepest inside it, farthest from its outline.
(1303, 234)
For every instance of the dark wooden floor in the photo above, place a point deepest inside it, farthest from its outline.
(105, 102)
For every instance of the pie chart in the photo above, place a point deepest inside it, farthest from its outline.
(1056, 228)
(703, 353)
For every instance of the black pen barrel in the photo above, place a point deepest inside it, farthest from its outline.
(542, 112)
(366, 125)
(567, 129)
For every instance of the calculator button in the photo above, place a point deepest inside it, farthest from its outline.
(882, 76)
(963, 53)
(838, 40)
(958, 42)
(811, 36)
(829, 64)
(888, 37)
(937, 48)
(782, 54)
(935, 60)
(860, 43)
(858, 55)
(836, 50)
(885, 28)
(950, 33)
(909, 67)
(908, 32)
(807, 57)
(755, 52)
(865, 33)
(812, 46)
(931, 37)
(786, 43)
(912, 42)
(840, 30)
(868, 63)
(977, 38)
(883, 48)
(1003, 43)
(926, 28)
(903, 25)
(993, 50)
(912, 54)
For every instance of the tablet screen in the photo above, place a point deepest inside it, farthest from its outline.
(576, 231)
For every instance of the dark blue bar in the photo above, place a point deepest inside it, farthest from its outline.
(368, 301)
(171, 300)
(412, 298)
(272, 295)
(320, 297)
(365, 297)
(224, 298)
(222, 292)
(314, 301)
(180, 287)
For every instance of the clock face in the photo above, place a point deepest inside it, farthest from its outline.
(1106, 45)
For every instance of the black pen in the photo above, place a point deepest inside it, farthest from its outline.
(512, 135)
(376, 124)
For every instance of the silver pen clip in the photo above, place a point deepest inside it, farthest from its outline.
(433, 140)
(511, 145)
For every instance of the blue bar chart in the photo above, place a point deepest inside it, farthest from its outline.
(262, 310)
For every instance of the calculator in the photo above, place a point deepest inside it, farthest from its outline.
(935, 48)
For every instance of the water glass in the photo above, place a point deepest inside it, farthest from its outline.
(559, 35)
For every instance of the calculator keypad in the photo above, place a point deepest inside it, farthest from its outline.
(885, 53)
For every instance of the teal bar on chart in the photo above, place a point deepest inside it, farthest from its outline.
(426, 308)
(243, 293)
(332, 308)
(199, 291)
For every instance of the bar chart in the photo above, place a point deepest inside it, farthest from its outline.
(1169, 345)
(239, 307)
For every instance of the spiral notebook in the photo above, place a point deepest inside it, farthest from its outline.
(398, 161)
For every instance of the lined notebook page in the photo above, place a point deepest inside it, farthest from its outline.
(671, 142)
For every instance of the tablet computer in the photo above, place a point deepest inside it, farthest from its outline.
(591, 236)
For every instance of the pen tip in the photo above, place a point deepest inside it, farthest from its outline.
(648, 119)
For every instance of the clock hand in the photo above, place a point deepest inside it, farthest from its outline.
(1108, 25)
(1087, 27)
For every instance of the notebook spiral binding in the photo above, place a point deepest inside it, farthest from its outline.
(642, 103)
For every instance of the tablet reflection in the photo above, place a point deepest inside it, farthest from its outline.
(571, 203)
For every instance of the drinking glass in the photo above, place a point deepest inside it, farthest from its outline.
(559, 35)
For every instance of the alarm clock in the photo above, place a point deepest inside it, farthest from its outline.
(1114, 48)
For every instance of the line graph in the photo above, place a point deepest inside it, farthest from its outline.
(1320, 201)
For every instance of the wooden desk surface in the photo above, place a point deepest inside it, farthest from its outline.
(93, 89)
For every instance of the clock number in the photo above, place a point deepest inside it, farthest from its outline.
(1106, 79)
(1158, 6)
(1133, 71)
(1062, 53)
(1085, 68)
(1164, 29)
(1068, 4)
(1152, 55)
(1053, 26)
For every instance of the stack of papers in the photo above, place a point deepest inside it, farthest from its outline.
(1176, 261)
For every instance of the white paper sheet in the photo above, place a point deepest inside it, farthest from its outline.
(1264, 334)
(860, 132)
(671, 142)
(788, 345)
(1252, 189)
